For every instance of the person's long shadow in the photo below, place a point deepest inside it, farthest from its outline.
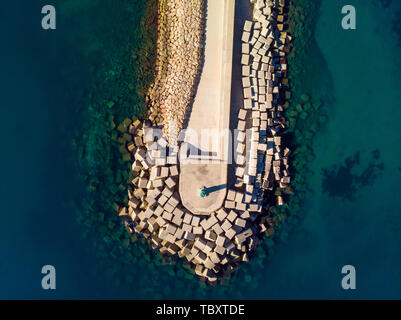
(215, 188)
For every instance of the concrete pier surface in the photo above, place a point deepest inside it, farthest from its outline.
(208, 125)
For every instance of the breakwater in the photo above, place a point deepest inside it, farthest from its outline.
(218, 243)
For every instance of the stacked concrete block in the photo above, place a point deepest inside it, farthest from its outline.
(265, 66)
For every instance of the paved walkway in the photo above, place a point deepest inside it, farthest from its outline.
(210, 115)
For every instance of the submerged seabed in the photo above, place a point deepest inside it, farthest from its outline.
(344, 126)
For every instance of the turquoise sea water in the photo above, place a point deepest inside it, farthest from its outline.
(353, 216)
(364, 116)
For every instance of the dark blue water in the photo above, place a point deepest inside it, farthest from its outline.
(353, 216)
(38, 180)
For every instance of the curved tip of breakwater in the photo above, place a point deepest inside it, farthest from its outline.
(217, 241)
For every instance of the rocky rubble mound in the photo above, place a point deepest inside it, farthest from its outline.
(180, 45)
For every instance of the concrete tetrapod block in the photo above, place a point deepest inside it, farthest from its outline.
(246, 71)
(241, 125)
(245, 48)
(221, 214)
(248, 25)
(242, 114)
(245, 59)
(245, 36)
(247, 104)
(246, 82)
